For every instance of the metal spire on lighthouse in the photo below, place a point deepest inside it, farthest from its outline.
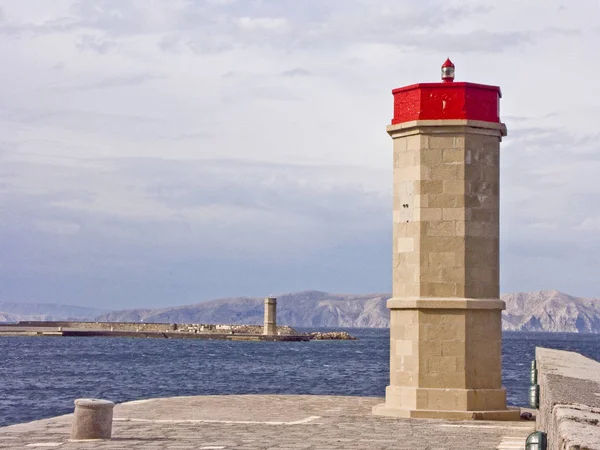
(447, 71)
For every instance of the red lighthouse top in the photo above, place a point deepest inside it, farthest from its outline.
(447, 100)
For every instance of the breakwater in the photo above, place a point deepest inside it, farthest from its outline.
(153, 327)
(163, 330)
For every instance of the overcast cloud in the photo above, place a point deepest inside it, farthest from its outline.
(163, 152)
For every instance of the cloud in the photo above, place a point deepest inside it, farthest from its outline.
(475, 41)
(162, 149)
(277, 24)
(95, 44)
(591, 224)
(116, 82)
(297, 72)
(549, 208)
(58, 227)
(169, 43)
(195, 212)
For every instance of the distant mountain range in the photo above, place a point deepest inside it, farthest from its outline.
(533, 311)
(551, 311)
(303, 309)
(13, 312)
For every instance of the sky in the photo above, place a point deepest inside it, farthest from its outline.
(157, 153)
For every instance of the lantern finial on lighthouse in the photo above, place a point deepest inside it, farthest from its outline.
(448, 71)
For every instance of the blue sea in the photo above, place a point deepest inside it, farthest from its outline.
(41, 376)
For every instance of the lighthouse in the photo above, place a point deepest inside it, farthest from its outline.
(445, 312)
(270, 316)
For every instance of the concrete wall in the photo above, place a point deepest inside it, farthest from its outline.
(159, 327)
(569, 400)
(123, 326)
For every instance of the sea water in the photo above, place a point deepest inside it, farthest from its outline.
(41, 376)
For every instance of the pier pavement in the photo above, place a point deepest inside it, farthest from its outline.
(268, 422)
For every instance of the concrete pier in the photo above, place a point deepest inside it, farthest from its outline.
(160, 331)
(261, 422)
(569, 399)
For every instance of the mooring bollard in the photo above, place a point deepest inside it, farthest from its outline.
(93, 419)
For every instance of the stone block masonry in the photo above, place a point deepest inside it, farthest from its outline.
(445, 212)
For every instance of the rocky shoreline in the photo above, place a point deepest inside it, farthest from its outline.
(331, 335)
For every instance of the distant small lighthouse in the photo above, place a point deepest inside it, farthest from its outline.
(270, 326)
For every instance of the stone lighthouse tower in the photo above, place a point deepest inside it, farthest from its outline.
(445, 329)
(270, 323)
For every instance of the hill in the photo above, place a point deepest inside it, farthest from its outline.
(14, 312)
(307, 309)
(533, 311)
(551, 311)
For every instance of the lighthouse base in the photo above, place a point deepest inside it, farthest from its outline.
(445, 360)
(509, 414)
(451, 404)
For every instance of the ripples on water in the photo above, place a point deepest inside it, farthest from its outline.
(40, 377)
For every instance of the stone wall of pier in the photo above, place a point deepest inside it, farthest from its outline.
(158, 327)
(569, 409)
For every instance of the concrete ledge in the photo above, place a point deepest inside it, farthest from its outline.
(446, 126)
(444, 303)
(569, 399)
(509, 414)
(576, 427)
